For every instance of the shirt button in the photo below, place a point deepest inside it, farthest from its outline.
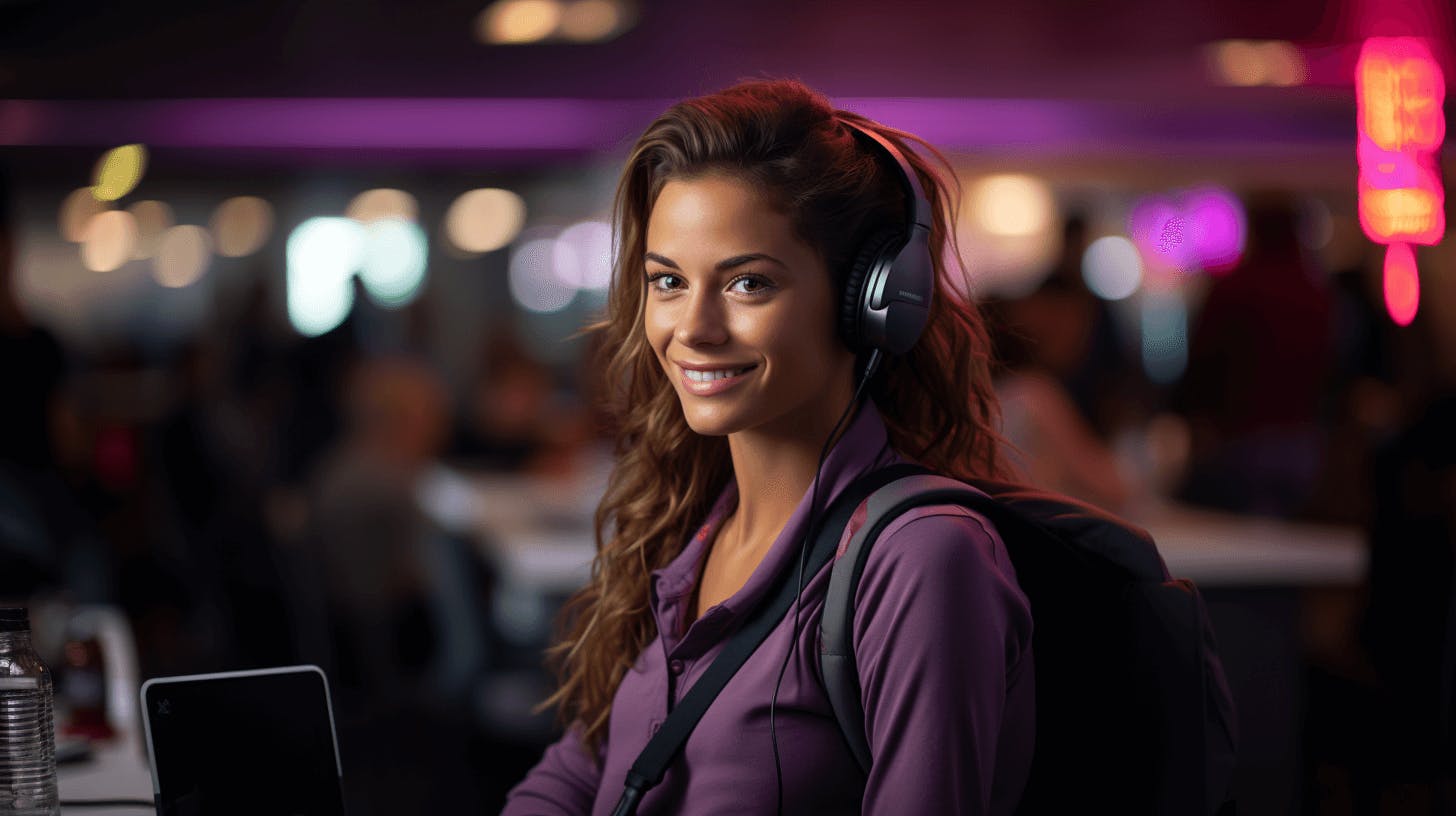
(676, 667)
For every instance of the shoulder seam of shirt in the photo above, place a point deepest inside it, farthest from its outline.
(942, 509)
(951, 510)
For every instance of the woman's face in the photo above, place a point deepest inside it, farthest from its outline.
(730, 285)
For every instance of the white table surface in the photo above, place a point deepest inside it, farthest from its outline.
(116, 770)
(1224, 549)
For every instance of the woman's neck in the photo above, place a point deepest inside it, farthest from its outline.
(773, 473)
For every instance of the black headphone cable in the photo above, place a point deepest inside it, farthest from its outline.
(869, 372)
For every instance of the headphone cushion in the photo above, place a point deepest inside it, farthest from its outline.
(851, 305)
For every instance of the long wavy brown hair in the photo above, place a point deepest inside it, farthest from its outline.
(937, 400)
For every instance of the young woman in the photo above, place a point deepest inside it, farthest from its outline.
(739, 214)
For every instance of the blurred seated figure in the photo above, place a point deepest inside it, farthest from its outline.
(504, 424)
(34, 369)
(48, 540)
(1258, 359)
(1410, 624)
(371, 538)
(515, 420)
(402, 601)
(1102, 380)
(1038, 339)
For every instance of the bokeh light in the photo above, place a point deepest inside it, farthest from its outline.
(1201, 228)
(241, 226)
(1012, 205)
(533, 282)
(1160, 230)
(1248, 63)
(383, 202)
(591, 20)
(1238, 62)
(153, 218)
(1402, 284)
(582, 255)
(513, 22)
(77, 210)
(322, 254)
(119, 171)
(1111, 267)
(393, 269)
(1284, 65)
(182, 256)
(485, 220)
(108, 240)
(1217, 227)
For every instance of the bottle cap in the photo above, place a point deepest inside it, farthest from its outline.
(14, 619)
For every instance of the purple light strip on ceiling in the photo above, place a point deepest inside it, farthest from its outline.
(586, 125)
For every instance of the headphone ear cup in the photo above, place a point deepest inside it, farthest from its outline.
(852, 305)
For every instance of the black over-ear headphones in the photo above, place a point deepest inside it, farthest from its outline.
(888, 292)
(887, 297)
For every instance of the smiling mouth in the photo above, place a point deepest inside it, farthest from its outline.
(687, 372)
(708, 388)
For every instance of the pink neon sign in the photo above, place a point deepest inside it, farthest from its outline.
(1399, 92)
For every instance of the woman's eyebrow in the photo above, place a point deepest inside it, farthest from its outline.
(726, 263)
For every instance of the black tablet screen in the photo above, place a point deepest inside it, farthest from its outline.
(258, 744)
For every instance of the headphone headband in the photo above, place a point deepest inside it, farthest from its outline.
(917, 204)
(891, 281)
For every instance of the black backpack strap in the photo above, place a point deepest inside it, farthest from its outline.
(836, 657)
(664, 746)
(836, 627)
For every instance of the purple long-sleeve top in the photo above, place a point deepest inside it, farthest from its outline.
(942, 640)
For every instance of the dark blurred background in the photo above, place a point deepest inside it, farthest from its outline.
(286, 293)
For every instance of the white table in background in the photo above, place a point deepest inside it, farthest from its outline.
(117, 769)
(1216, 548)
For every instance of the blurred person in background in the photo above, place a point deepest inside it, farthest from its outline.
(502, 426)
(1260, 353)
(514, 420)
(206, 453)
(1102, 381)
(366, 524)
(1383, 710)
(47, 542)
(33, 372)
(405, 627)
(1364, 402)
(1041, 339)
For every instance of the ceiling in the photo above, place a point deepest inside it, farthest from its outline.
(1139, 49)
(1129, 77)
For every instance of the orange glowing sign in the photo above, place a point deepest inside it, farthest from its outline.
(1410, 214)
(1401, 89)
(1399, 92)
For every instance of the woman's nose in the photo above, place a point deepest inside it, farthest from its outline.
(703, 319)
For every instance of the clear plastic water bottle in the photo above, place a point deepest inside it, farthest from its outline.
(27, 729)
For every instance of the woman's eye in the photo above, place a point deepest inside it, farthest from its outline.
(759, 284)
(653, 278)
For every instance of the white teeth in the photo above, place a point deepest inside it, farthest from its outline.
(708, 376)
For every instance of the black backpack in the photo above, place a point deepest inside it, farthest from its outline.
(1133, 714)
